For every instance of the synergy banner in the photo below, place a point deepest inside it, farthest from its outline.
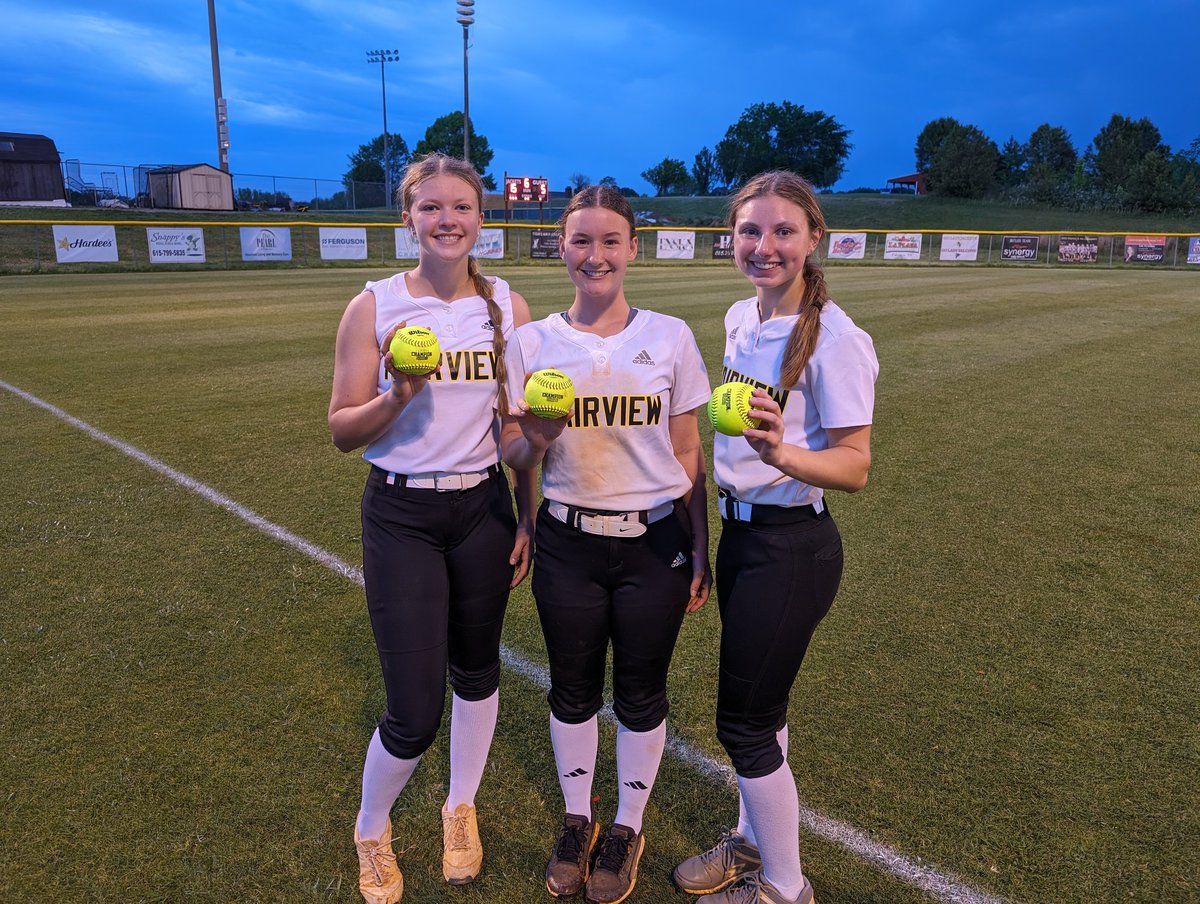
(263, 244)
(676, 245)
(543, 243)
(847, 246)
(1145, 249)
(902, 246)
(1019, 248)
(722, 245)
(175, 246)
(958, 246)
(75, 244)
(1078, 249)
(1194, 250)
(490, 244)
(343, 243)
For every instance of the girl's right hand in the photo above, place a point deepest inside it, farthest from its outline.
(404, 386)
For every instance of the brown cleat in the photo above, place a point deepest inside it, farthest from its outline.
(615, 873)
(462, 851)
(567, 870)
(379, 878)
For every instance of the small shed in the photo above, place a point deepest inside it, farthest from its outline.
(30, 171)
(914, 182)
(194, 186)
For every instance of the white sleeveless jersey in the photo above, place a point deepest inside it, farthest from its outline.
(615, 454)
(452, 424)
(836, 389)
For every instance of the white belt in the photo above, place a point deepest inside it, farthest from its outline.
(609, 524)
(732, 509)
(442, 482)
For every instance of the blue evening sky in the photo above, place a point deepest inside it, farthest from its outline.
(601, 89)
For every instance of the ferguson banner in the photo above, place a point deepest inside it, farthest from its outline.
(175, 246)
(262, 244)
(343, 243)
(74, 244)
(676, 245)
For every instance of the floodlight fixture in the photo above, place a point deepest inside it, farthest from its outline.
(382, 57)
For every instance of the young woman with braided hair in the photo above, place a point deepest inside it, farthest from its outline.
(441, 547)
(779, 559)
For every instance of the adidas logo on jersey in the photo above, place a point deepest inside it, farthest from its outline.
(643, 357)
(733, 334)
(489, 325)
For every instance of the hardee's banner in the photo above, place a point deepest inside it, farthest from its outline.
(1145, 249)
(722, 245)
(676, 245)
(343, 243)
(489, 244)
(260, 243)
(175, 246)
(847, 246)
(902, 246)
(958, 246)
(75, 244)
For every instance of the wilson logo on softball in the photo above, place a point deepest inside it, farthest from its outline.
(415, 350)
(550, 393)
(729, 408)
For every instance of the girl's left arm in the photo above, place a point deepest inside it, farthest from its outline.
(685, 442)
(525, 484)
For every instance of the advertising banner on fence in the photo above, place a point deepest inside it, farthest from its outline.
(175, 246)
(676, 245)
(490, 244)
(543, 243)
(343, 243)
(847, 246)
(1145, 249)
(1019, 248)
(406, 244)
(723, 245)
(74, 244)
(1078, 249)
(902, 246)
(1194, 250)
(958, 246)
(262, 244)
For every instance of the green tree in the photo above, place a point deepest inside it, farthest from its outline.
(611, 182)
(1012, 163)
(930, 140)
(965, 164)
(1120, 146)
(366, 164)
(579, 180)
(1051, 160)
(704, 171)
(784, 136)
(668, 177)
(446, 135)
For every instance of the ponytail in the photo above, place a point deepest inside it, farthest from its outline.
(486, 290)
(803, 339)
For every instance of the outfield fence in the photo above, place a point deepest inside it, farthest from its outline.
(49, 245)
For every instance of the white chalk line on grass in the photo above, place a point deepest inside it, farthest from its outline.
(937, 885)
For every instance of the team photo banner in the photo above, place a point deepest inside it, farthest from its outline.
(902, 246)
(76, 244)
(343, 243)
(261, 244)
(847, 246)
(175, 246)
(958, 246)
(680, 246)
(1078, 249)
(490, 244)
(1145, 249)
(543, 244)
(1019, 248)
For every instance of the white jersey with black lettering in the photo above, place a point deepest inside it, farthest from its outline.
(836, 389)
(615, 454)
(452, 425)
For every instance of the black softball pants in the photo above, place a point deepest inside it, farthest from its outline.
(437, 579)
(775, 582)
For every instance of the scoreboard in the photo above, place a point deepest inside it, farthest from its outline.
(526, 188)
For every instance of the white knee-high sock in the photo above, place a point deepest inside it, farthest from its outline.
(472, 724)
(384, 777)
(575, 749)
(638, 756)
(743, 827)
(774, 810)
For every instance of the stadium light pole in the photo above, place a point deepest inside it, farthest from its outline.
(382, 57)
(218, 99)
(466, 18)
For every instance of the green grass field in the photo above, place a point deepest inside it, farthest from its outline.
(1005, 691)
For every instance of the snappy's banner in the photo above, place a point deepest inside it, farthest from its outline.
(902, 246)
(676, 245)
(76, 244)
(1145, 249)
(343, 243)
(1019, 248)
(959, 246)
(175, 246)
(847, 246)
(1078, 249)
(262, 244)
(490, 244)
(543, 243)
